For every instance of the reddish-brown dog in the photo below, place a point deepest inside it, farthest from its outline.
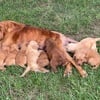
(13, 32)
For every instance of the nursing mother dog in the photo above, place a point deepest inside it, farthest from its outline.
(12, 32)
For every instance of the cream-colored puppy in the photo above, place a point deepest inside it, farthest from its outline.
(89, 43)
(32, 54)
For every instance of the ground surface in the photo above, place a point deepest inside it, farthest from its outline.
(75, 18)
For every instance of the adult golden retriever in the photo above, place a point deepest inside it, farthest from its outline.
(12, 32)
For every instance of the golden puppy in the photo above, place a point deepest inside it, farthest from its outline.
(10, 59)
(21, 56)
(89, 43)
(93, 58)
(3, 53)
(43, 59)
(80, 56)
(89, 56)
(58, 57)
(32, 54)
(17, 33)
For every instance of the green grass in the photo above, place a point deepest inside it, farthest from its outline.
(78, 18)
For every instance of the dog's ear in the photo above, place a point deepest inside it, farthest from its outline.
(12, 26)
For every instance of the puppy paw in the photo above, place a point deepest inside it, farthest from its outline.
(22, 75)
(45, 71)
(84, 74)
(67, 73)
(2, 69)
(95, 67)
(41, 70)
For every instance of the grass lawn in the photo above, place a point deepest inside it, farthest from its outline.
(75, 18)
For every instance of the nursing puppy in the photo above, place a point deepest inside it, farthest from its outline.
(10, 59)
(3, 54)
(16, 33)
(89, 43)
(21, 56)
(57, 57)
(89, 56)
(80, 56)
(93, 58)
(32, 54)
(43, 59)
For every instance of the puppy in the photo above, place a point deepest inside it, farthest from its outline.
(43, 59)
(89, 43)
(21, 56)
(3, 53)
(80, 56)
(32, 54)
(10, 59)
(89, 56)
(93, 58)
(58, 57)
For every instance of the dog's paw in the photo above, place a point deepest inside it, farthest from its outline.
(95, 67)
(67, 73)
(2, 69)
(22, 75)
(84, 74)
(46, 71)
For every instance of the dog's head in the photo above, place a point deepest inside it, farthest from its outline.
(8, 27)
(80, 57)
(49, 44)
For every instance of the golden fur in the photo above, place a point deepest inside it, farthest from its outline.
(3, 54)
(89, 56)
(21, 56)
(10, 59)
(93, 58)
(43, 59)
(17, 33)
(32, 54)
(89, 43)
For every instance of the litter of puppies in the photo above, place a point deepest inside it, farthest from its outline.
(35, 48)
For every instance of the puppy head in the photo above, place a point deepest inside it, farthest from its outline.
(49, 44)
(80, 58)
(33, 44)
